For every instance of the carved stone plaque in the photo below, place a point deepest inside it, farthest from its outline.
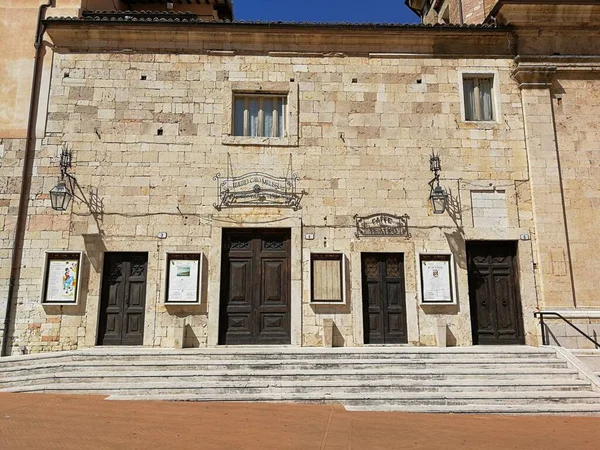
(382, 224)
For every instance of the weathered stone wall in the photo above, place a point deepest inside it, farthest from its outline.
(576, 104)
(11, 154)
(366, 130)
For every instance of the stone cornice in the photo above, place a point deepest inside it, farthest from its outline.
(82, 36)
(531, 76)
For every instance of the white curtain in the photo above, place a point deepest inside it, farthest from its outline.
(485, 93)
(281, 117)
(267, 104)
(469, 90)
(253, 109)
(238, 117)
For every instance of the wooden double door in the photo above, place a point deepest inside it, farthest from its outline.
(384, 298)
(493, 293)
(123, 299)
(255, 287)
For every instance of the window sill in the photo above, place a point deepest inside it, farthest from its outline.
(482, 123)
(260, 141)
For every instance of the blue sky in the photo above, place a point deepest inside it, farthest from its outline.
(324, 11)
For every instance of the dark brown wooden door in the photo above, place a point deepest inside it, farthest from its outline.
(384, 298)
(255, 287)
(493, 293)
(123, 299)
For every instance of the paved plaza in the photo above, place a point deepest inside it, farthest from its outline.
(65, 422)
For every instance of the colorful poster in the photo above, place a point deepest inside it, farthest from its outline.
(435, 276)
(61, 280)
(183, 280)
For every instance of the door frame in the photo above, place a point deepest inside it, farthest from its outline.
(516, 274)
(214, 273)
(101, 293)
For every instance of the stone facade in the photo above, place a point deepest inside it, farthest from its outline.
(148, 118)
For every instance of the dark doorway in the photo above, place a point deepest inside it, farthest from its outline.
(255, 287)
(494, 293)
(123, 299)
(384, 298)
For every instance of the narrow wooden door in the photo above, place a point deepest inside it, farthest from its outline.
(384, 298)
(255, 287)
(493, 293)
(123, 299)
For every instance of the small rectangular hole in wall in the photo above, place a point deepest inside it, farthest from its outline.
(159, 132)
(66, 75)
(143, 78)
(419, 81)
(355, 80)
(292, 80)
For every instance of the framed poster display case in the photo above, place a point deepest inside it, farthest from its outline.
(182, 280)
(437, 279)
(61, 278)
(328, 278)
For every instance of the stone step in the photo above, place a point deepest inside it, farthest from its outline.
(167, 364)
(201, 383)
(274, 353)
(355, 399)
(584, 409)
(244, 373)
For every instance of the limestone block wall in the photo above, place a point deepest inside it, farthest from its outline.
(11, 154)
(366, 129)
(576, 104)
(561, 334)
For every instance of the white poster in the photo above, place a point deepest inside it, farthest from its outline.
(435, 275)
(183, 281)
(61, 281)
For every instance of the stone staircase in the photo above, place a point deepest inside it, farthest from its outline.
(460, 380)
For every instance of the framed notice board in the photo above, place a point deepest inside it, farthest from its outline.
(328, 282)
(61, 278)
(183, 275)
(437, 279)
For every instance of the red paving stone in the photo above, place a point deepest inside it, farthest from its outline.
(37, 421)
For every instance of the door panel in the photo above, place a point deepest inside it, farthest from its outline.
(384, 299)
(493, 291)
(257, 290)
(271, 281)
(123, 299)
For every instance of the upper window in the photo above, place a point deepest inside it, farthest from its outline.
(259, 115)
(478, 92)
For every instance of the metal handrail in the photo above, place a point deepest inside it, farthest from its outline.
(541, 315)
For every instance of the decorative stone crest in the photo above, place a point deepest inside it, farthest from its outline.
(382, 224)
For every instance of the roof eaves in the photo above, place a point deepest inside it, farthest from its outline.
(131, 19)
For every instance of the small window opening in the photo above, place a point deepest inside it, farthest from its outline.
(478, 98)
(259, 115)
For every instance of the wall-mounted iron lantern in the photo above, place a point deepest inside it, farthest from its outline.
(61, 194)
(438, 195)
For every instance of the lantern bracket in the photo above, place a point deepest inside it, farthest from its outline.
(437, 195)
